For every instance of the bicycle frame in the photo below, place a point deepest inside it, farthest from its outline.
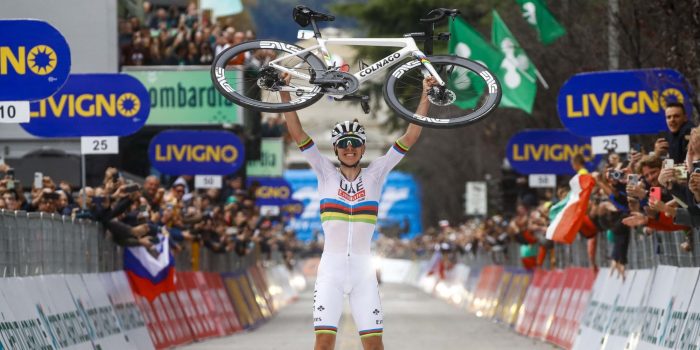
(408, 48)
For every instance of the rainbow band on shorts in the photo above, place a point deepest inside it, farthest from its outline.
(377, 332)
(325, 330)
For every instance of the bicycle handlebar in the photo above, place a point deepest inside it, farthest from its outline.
(439, 13)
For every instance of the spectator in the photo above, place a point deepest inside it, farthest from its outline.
(674, 144)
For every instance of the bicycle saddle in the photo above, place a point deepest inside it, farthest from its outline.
(304, 15)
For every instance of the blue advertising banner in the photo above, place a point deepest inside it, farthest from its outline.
(91, 105)
(621, 102)
(547, 152)
(34, 60)
(294, 208)
(399, 206)
(271, 190)
(184, 152)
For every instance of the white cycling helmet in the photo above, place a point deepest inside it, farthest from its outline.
(348, 129)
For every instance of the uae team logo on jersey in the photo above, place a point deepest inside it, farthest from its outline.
(351, 192)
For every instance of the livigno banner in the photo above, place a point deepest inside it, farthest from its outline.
(547, 152)
(621, 102)
(186, 98)
(34, 60)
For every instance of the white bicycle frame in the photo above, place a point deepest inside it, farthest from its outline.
(408, 47)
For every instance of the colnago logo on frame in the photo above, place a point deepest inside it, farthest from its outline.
(385, 62)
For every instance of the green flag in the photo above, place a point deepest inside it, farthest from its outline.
(466, 42)
(537, 14)
(516, 73)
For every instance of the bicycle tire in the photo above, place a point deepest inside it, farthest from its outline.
(477, 85)
(244, 92)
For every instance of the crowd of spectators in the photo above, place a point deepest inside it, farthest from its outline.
(656, 191)
(175, 36)
(223, 220)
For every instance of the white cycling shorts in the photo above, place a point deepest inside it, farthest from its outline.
(339, 274)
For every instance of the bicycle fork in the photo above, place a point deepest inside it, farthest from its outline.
(429, 67)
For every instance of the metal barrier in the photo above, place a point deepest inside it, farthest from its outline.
(39, 243)
(645, 251)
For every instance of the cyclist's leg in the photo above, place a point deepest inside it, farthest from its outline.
(367, 312)
(328, 307)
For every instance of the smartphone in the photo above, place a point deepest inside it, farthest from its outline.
(655, 193)
(10, 173)
(668, 163)
(38, 180)
(10, 185)
(633, 179)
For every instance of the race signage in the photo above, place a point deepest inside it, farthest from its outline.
(547, 152)
(99, 145)
(542, 181)
(476, 195)
(611, 143)
(621, 102)
(180, 152)
(208, 181)
(271, 159)
(271, 190)
(187, 98)
(294, 208)
(14, 112)
(91, 105)
(34, 60)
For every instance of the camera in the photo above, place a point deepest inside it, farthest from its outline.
(52, 195)
(615, 174)
(696, 166)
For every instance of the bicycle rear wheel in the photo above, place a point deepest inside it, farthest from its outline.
(471, 92)
(243, 75)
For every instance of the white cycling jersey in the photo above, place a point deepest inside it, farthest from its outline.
(349, 215)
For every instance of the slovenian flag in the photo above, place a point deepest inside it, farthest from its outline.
(150, 276)
(568, 214)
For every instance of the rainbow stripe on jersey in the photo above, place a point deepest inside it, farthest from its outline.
(399, 147)
(332, 209)
(306, 144)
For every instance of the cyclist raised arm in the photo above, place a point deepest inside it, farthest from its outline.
(349, 207)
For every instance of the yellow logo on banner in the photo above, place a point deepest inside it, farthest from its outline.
(40, 59)
(196, 153)
(90, 105)
(613, 103)
(267, 192)
(555, 152)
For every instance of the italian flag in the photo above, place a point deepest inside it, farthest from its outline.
(568, 214)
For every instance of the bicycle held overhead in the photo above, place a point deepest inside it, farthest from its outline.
(250, 74)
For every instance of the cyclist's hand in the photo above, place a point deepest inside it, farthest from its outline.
(428, 83)
(285, 94)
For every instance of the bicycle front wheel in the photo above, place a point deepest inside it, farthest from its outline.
(243, 74)
(471, 92)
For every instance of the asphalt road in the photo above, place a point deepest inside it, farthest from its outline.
(413, 320)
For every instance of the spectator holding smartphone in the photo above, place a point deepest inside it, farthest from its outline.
(674, 144)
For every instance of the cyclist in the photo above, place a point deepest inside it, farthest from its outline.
(349, 206)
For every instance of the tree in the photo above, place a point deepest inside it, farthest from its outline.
(654, 33)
